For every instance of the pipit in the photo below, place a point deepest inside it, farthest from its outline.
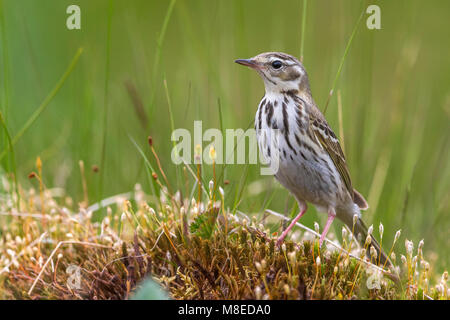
(294, 137)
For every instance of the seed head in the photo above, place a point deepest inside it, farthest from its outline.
(316, 227)
(409, 247)
(393, 256)
(363, 252)
(355, 219)
(421, 243)
(258, 293)
(198, 153)
(403, 258)
(381, 230)
(286, 289)
(344, 233)
(373, 252)
(212, 153)
(368, 240)
(370, 230)
(397, 235)
(292, 258)
(38, 163)
(258, 267)
(263, 264)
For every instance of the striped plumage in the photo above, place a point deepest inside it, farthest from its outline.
(294, 137)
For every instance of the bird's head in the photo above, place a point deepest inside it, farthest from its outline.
(281, 72)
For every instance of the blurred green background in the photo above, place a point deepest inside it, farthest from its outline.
(394, 87)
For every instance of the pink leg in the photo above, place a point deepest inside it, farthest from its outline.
(331, 216)
(284, 234)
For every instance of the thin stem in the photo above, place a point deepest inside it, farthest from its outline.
(343, 59)
(13, 160)
(172, 127)
(159, 48)
(45, 103)
(302, 40)
(105, 99)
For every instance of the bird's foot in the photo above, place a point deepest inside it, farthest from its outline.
(331, 216)
(280, 241)
(291, 225)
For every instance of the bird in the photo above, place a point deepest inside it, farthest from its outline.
(296, 140)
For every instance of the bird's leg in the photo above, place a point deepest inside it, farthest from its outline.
(331, 216)
(285, 232)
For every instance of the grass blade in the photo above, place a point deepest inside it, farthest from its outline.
(155, 188)
(343, 59)
(302, 43)
(172, 126)
(13, 159)
(159, 43)
(223, 175)
(105, 100)
(341, 122)
(45, 103)
(5, 54)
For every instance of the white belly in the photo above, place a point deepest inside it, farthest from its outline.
(299, 163)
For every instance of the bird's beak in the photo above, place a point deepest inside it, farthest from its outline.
(248, 62)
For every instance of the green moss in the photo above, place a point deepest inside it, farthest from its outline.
(201, 254)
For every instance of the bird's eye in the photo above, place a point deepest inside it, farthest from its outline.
(277, 64)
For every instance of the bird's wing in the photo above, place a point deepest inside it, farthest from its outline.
(330, 143)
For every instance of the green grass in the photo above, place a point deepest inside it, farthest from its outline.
(106, 98)
(393, 84)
